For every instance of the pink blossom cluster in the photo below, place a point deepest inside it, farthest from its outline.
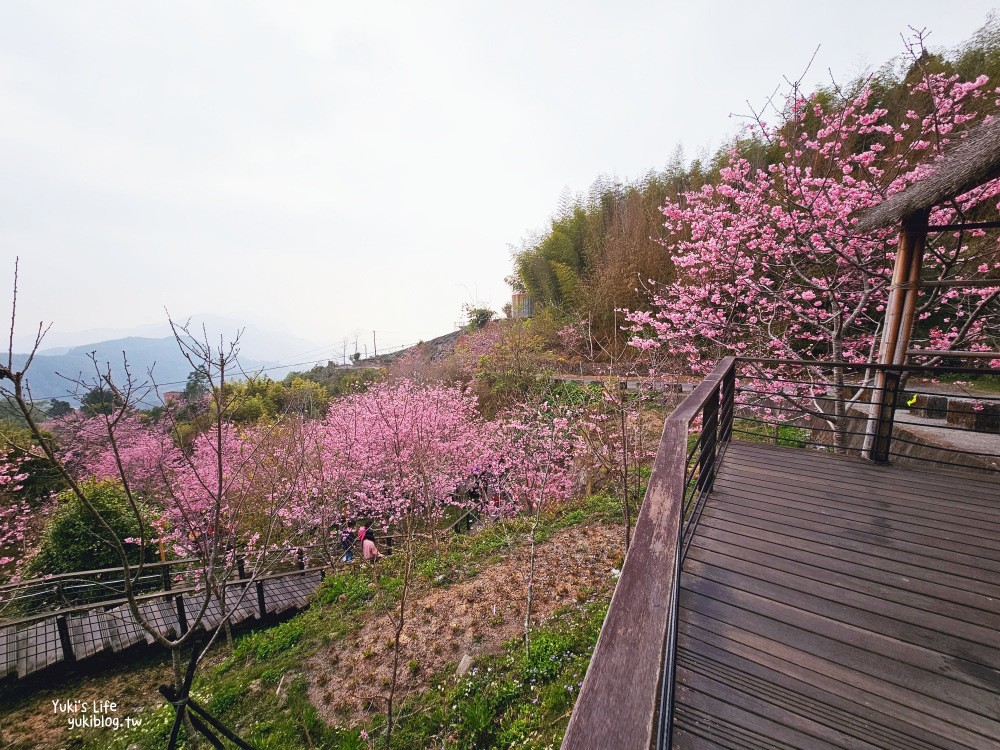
(17, 516)
(769, 262)
(398, 450)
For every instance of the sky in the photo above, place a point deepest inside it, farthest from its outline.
(330, 169)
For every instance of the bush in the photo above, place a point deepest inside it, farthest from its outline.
(73, 539)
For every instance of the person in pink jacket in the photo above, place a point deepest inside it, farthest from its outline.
(368, 549)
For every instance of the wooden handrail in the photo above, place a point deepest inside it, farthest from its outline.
(873, 366)
(947, 353)
(619, 702)
(76, 609)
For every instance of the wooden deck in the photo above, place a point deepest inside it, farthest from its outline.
(830, 603)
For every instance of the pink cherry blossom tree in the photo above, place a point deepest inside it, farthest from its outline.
(769, 263)
(535, 450)
(394, 454)
(229, 488)
(15, 514)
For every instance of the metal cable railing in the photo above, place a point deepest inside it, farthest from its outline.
(627, 698)
(838, 407)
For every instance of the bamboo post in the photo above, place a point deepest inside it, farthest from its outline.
(899, 314)
(916, 229)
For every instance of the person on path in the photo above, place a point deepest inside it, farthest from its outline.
(368, 548)
(347, 538)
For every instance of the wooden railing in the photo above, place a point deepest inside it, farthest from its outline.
(626, 700)
(68, 617)
(627, 696)
(911, 413)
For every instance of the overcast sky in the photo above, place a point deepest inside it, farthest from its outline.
(334, 168)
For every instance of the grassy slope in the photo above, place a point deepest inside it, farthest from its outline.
(509, 699)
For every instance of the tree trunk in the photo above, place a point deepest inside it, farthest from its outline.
(399, 632)
(625, 506)
(531, 585)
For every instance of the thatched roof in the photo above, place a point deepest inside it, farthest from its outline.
(974, 161)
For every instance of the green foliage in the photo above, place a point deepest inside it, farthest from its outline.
(266, 644)
(439, 568)
(509, 700)
(56, 408)
(516, 367)
(43, 477)
(226, 699)
(575, 395)
(254, 399)
(546, 652)
(478, 317)
(11, 417)
(599, 252)
(306, 397)
(349, 589)
(758, 432)
(74, 540)
(337, 380)
(391, 588)
(197, 387)
(99, 400)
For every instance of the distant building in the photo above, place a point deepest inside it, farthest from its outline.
(521, 306)
(170, 396)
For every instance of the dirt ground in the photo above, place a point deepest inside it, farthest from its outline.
(28, 719)
(350, 679)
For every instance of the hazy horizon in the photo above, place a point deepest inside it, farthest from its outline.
(326, 172)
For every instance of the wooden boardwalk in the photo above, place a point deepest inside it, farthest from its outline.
(830, 603)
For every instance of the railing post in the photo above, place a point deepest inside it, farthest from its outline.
(67, 645)
(727, 407)
(709, 441)
(888, 396)
(261, 604)
(301, 560)
(165, 574)
(181, 614)
(241, 567)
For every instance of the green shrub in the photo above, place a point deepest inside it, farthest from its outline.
(746, 429)
(73, 539)
(391, 588)
(546, 653)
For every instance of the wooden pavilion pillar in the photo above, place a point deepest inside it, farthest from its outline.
(900, 313)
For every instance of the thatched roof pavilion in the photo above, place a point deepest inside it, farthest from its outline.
(972, 162)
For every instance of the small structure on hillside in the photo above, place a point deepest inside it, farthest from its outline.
(522, 305)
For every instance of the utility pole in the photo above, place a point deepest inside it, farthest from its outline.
(374, 345)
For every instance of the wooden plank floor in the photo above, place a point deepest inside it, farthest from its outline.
(830, 603)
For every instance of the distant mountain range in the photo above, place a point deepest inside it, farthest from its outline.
(159, 359)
